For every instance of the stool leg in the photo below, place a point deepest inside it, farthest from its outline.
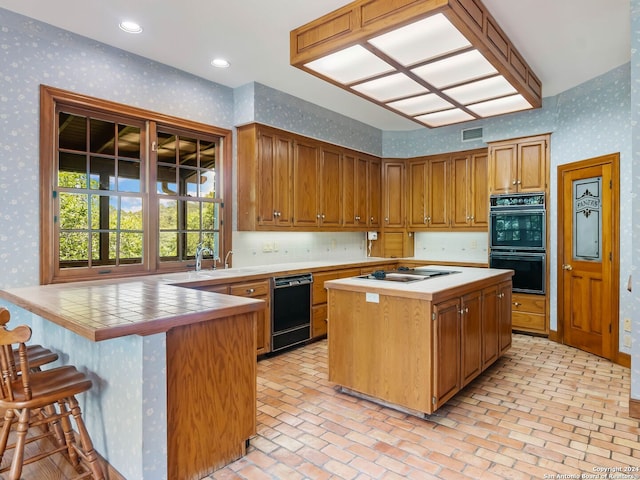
(69, 438)
(85, 441)
(21, 437)
(9, 415)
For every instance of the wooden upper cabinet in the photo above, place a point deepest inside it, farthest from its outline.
(330, 187)
(469, 190)
(394, 193)
(519, 165)
(374, 192)
(438, 192)
(417, 178)
(306, 177)
(265, 164)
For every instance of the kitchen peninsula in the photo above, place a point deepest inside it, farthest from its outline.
(413, 343)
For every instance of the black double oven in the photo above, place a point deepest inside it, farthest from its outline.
(517, 238)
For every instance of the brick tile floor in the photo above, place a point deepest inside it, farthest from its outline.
(543, 411)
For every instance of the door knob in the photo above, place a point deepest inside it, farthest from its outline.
(567, 267)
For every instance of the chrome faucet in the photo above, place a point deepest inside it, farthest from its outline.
(200, 251)
(226, 259)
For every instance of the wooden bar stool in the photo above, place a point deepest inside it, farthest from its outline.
(40, 399)
(38, 355)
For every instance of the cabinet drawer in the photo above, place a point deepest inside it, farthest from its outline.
(319, 321)
(530, 322)
(252, 289)
(319, 292)
(215, 288)
(528, 303)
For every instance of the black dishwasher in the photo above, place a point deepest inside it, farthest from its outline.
(291, 316)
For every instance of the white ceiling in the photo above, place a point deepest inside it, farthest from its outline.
(566, 42)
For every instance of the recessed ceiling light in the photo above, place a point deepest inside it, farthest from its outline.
(130, 27)
(220, 63)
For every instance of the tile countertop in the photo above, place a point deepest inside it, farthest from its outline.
(146, 305)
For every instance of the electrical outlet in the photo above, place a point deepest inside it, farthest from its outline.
(372, 235)
(267, 247)
(627, 324)
(627, 341)
(274, 246)
(474, 244)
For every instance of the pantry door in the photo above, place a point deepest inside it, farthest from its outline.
(588, 255)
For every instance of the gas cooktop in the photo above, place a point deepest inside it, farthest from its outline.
(406, 275)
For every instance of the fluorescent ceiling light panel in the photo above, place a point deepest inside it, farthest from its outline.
(390, 87)
(447, 117)
(422, 104)
(422, 40)
(481, 90)
(499, 106)
(457, 69)
(350, 65)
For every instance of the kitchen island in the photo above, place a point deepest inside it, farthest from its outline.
(414, 344)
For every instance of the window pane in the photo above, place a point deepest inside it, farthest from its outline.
(193, 216)
(72, 132)
(168, 214)
(192, 242)
(72, 170)
(131, 247)
(131, 214)
(97, 204)
(101, 136)
(167, 180)
(103, 173)
(207, 184)
(210, 239)
(208, 155)
(128, 176)
(188, 152)
(74, 211)
(166, 148)
(114, 211)
(168, 245)
(128, 141)
(74, 247)
(210, 216)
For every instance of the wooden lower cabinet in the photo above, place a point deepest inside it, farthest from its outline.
(319, 298)
(529, 313)
(260, 290)
(413, 353)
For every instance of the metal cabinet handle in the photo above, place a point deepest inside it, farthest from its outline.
(251, 290)
(371, 220)
(514, 182)
(501, 295)
(567, 267)
(516, 304)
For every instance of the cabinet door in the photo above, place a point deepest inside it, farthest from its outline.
(460, 191)
(393, 194)
(349, 196)
(438, 189)
(274, 180)
(417, 179)
(306, 208)
(330, 188)
(374, 192)
(491, 308)
(471, 337)
(505, 326)
(479, 190)
(259, 290)
(363, 185)
(446, 351)
(532, 166)
(502, 168)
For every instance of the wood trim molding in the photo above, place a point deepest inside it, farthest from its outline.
(634, 407)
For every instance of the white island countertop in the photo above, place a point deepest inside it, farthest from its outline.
(435, 288)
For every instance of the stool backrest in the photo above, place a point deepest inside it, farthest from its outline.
(10, 339)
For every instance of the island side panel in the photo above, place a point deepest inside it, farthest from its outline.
(211, 394)
(381, 349)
